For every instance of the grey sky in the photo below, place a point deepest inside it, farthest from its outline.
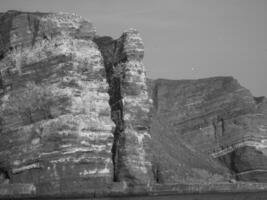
(184, 39)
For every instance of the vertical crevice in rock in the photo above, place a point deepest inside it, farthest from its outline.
(117, 117)
(219, 129)
(222, 126)
(214, 124)
(155, 96)
(130, 106)
(110, 49)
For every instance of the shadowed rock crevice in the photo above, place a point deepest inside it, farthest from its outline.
(112, 52)
(130, 106)
(4, 176)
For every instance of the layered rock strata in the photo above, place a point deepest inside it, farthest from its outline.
(72, 146)
(78, 114)
(130, 106)
(68, 122)
(217, 117)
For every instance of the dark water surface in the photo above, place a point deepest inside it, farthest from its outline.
(207, 196)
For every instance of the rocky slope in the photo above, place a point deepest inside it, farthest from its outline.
(215, 117)
(78, 114)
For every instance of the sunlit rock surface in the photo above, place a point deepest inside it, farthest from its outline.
(136, 108)
(73, 118)
(70, 148)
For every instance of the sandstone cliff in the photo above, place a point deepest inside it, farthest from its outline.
(78, 114)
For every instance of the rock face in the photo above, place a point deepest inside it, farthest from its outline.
(217, 117)
(63, 140)
(67, 122)
(130, 105)
(78, 114)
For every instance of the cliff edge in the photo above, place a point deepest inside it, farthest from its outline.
(215, 117)
(73, 117)
(78, 114)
